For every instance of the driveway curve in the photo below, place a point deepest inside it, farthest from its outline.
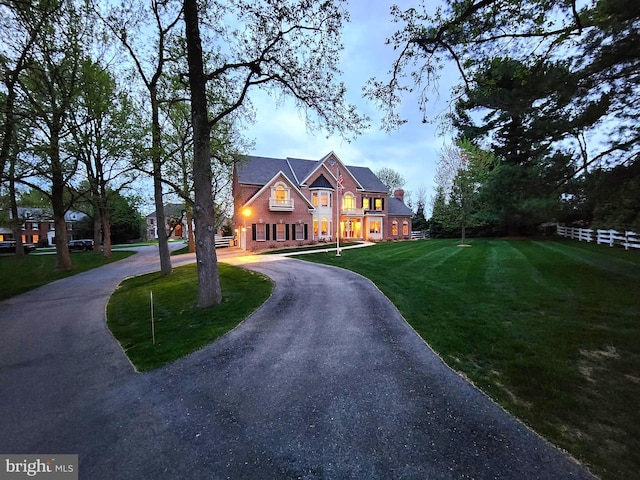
(324, 381)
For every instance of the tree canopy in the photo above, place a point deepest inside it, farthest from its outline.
(550, 87)
(176, 77)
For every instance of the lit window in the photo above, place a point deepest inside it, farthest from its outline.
(375, 226)
(315, 227)
(324, 225)
(281, 195)
(405, 228)
(349, 202)
(314, 199)
(280, 232)
(324, 197)
(394, 228)
(366, 203)
(378, 204)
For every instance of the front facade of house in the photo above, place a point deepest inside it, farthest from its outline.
(174, 218)
(288, 202)
(38, 226)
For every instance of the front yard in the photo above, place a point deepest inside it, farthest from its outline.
(549, 329)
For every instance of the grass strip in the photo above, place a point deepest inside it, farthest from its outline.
(21, 274)
(549, 329)
(180, 326)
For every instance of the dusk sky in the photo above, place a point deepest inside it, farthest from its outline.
(411, 150)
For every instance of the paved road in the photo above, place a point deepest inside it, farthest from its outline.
(324, 381)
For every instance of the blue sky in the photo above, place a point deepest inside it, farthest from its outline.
(411, 150)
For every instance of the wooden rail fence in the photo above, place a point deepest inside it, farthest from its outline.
(607, 237)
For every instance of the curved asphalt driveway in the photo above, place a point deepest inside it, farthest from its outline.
(324, 381)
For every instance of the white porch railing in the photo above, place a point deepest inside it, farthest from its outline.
(606, 237)
(280, 205)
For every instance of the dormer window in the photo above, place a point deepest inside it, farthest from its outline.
(280, 198)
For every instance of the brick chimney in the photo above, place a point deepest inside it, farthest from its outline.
(399, 193)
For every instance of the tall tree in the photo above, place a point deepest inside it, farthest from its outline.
(107, 137)
(226, 144)
(52, 88)
(391, 178)
(149, 36)
(598, 42)
(289, 47)
(526, 110)
(22, 24)
(462, 172)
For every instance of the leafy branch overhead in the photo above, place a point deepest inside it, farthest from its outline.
(289, 49)
(601, 37)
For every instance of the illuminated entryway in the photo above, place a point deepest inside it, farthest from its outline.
(351, 227)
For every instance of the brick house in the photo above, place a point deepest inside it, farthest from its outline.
(38, 227)
(291, 201)
(175, 222)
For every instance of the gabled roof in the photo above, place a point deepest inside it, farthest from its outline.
(46, 215)
(322, 182)
(268, 185)
(260, 170)
(170, 210)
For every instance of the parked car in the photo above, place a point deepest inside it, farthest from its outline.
(80, 245)
(9, 246)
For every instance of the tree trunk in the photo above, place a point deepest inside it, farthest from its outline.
(106, 232)
(97, 227)
(63, 257)
(163, 239)
(209, 291)
(16, 221)
(190, 236)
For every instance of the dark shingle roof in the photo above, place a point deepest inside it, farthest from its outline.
(395, 206)
(368, 179)
(259, 170)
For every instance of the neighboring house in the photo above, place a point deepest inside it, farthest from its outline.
(175, 222)
(279, 202)
(38, 226)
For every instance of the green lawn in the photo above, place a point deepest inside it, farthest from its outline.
(180, 326)
(549, 329)
(19, 275)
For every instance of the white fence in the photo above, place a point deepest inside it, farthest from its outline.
(419, 234)
(607, 237)
(222, 242)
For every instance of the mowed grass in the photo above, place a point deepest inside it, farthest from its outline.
(549, 329)
(180, 326)
(19, 275)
